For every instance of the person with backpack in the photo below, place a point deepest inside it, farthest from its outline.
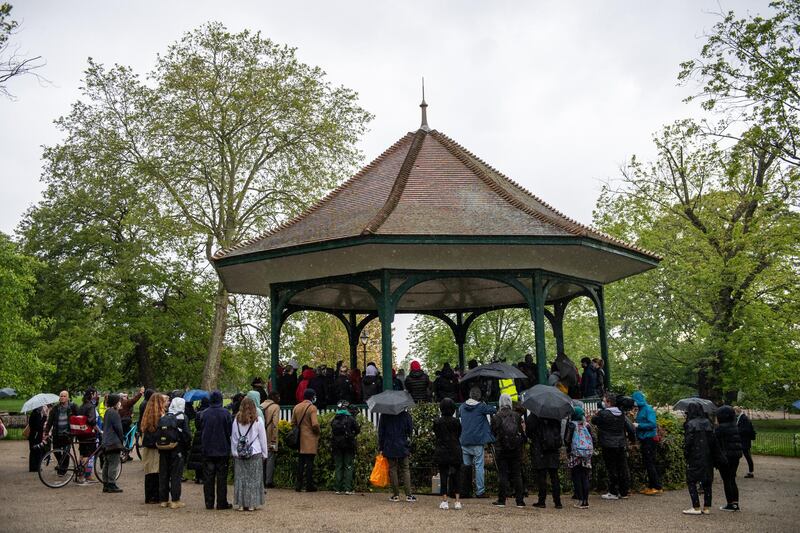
(394, 432)
(699, 450)
(344, 428)
(215, 423)
(646, 431)
(172, 440)
(730, 443)
(304, 417)
(113, 438)
(249, 449)
(475, 435)
(614, 430)
(272, 415)
(580, 448)
(546, 442)
(509, 436)
(748, 434)
(148, 425)
(447, 453)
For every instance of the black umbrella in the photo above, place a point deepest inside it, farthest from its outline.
(708, 406)
(546, 402)
(7, 392)
(495, 371)
(390, 402)
(567, 370)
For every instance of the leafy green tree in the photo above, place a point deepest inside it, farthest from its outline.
(506, 334)
(749, 71)
(726, 222)
(19, 368)
(232, 132)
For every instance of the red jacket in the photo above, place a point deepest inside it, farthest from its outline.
(307, 376)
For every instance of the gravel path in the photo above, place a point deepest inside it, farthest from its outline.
(770, 503)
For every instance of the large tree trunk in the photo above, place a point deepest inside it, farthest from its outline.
(218, 329)
(142, 353)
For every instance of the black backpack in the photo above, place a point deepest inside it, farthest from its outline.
(341, 432)
(168, 433)
(510, 437)
(551, 435)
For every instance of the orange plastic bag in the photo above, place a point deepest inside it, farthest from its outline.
(380, 472)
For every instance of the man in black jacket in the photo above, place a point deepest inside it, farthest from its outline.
(418, 384)
(113, 438)
(215, 424)
(613, 428)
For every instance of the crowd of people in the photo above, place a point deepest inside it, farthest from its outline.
(246, 433)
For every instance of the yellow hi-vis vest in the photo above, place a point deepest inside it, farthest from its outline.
(507, 387)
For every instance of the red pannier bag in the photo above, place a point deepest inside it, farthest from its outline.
(79, 426)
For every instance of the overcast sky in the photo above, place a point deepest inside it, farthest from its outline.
(557, 95)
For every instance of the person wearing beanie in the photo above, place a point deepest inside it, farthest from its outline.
(579, 441)
(418, 384)
(113, 437)
(447, 453)
(508, 432)
(304, 416)
(372, 383)
(215, 425)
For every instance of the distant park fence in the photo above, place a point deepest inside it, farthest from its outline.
(776, 443)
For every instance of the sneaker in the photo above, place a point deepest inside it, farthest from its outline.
(164, 504)
(348, 493)
(540, 505)
(224, 507)
(692, 510)
(609, 496)
(444, 506)
(731, 507)
(623, 496)
(584, 505)
(411, 498)
(499, 504)
(706, 510)
(338, 492)
(521, 505)
(749, 475)
(481, 496)
(557, 506)
(112, 489)
(457, 506)
(394, 498)
(650, 492)
(176, 505)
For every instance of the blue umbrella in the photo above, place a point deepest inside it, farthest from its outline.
(796, 404)
(195, 395)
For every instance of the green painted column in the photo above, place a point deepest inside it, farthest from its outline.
(386, 316)
(537, 313)
(601, 323)
(275, 320)
(352, 335)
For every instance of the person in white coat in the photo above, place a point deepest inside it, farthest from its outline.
(249, 449)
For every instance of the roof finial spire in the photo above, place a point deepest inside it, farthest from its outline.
(424, 126)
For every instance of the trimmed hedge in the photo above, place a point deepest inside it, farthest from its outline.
(671, 463)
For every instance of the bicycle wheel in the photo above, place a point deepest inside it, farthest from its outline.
(57, 468)
(99, 461)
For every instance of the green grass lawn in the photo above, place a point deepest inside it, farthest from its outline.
(11, 405)
(777, 425)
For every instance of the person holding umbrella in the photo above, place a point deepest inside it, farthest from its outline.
(394, 431)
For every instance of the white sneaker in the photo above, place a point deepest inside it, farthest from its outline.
(444, 506)
(609, 496)
(457, 506)
(349, 492)
(692, 510)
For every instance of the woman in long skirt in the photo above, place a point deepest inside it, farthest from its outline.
(249, 449)
(156, 406)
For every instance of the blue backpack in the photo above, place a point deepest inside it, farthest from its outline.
(582, 445)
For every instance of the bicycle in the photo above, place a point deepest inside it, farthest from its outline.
(61, 465)
(130, 443)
